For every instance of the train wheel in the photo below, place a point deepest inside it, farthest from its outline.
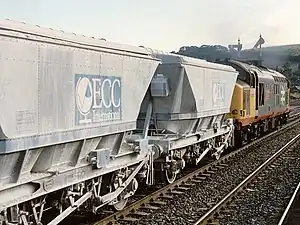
(170, 175)
(120, 204)
(116, 180)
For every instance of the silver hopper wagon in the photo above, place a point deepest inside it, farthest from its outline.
(189, 99)
(68, 106)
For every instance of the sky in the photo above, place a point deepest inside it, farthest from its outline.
(165, 24)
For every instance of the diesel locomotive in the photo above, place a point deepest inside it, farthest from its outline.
(84, 121)
(260, 101)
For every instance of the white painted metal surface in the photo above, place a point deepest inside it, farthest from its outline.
(189, 105)
(67, 104)
(46, 75)
(211, 86)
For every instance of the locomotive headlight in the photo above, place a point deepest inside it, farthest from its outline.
(234, 112)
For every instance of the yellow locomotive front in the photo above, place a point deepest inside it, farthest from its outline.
(243, 103)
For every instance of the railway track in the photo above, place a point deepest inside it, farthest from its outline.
(157, 199)
(295, 111)
(234, 201)
(291, 214)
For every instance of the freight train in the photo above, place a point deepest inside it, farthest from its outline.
(84, 121)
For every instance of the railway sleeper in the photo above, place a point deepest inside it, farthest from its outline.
(196, 181)
(166, 197)
(173, 192)
(140, 213)
(188, 185)
(129, 219)
(181, 188)
(149, 207)
(156, 202)
(199, 178)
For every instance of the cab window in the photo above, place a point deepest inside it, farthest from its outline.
(261, 90)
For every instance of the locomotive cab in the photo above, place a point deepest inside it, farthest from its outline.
(243, 101)
(243, 104)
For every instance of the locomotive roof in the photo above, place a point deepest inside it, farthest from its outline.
(262, 69)
(58, 35)
(170, 58)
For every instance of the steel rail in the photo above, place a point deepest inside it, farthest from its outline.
(163, 192)
(285, 214)
(206, 217)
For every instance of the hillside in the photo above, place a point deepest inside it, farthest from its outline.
(212, 52)
(284, 49)
(284, 58)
